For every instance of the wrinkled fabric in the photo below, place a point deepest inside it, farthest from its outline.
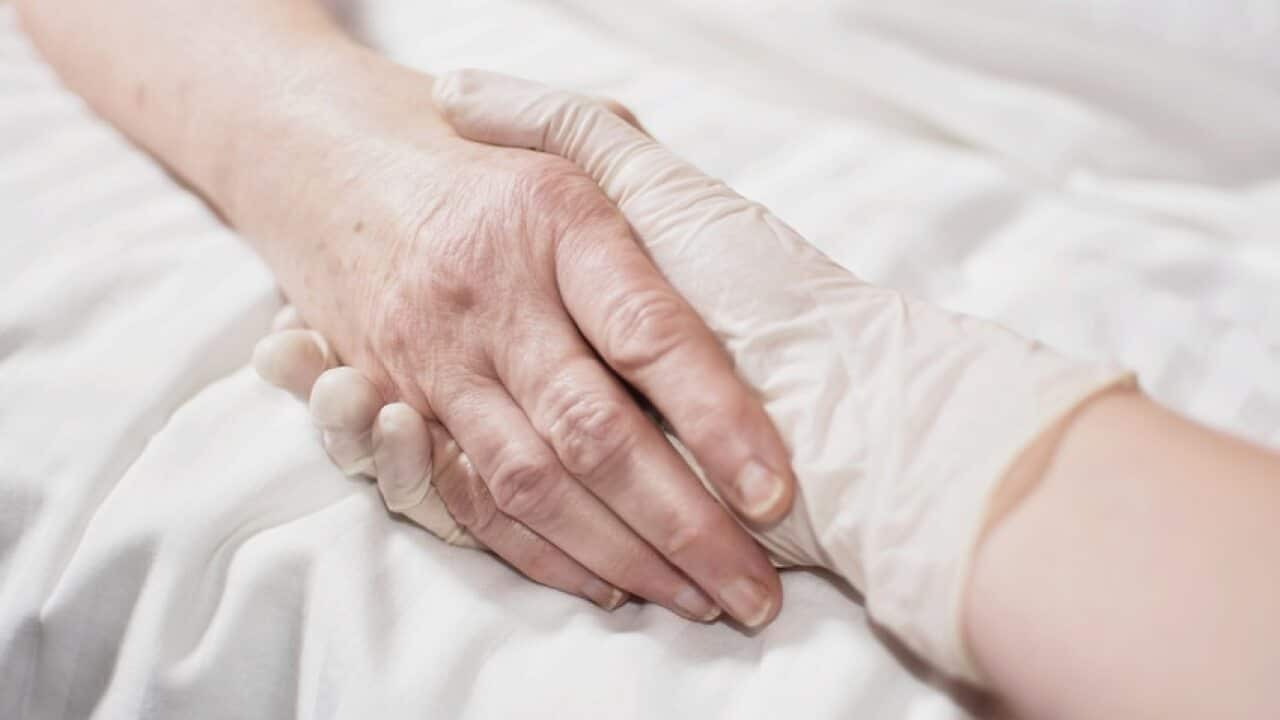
(175, 543)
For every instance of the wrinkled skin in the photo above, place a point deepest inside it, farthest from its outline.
(508, 304)
(495, 291)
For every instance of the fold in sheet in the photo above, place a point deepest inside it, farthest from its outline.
(173, 541)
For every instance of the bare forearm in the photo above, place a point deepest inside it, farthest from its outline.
(241, 99)
(184, 78)
(265, 107)
(1139, 577)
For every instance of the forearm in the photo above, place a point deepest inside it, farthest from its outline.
(265, 107)
(195, 83)
(1138, 577)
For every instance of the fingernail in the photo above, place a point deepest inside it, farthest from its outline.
(605, 595)
(759, 488)
(696, 606)
(747, 600)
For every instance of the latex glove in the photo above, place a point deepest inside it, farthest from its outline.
(391, 444)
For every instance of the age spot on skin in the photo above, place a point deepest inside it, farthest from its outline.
(358, 226)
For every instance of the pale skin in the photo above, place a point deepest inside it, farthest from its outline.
(1139, 576)
(1132, 566)
(497, 291)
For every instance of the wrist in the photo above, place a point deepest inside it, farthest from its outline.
(323, 169)
(302, 135)
(331, 173)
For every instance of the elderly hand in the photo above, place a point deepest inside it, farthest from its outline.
(500, 294)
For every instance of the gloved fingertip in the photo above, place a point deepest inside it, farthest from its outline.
(402, 456)
(292, 359)
(351, 452)
(344, 399)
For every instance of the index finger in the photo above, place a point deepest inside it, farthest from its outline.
(646, 331)
(651, 337)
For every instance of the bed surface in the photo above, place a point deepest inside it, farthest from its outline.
(173, 542)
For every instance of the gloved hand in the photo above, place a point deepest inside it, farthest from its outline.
(902, 418)
(391, 444)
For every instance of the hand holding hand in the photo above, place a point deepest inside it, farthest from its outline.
(903, 418)
(500, 295)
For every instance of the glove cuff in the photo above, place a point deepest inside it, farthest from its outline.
(976, 398)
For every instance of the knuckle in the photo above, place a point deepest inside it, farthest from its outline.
(527, 489)
(453, 286)
(457, 259)
(690, 532)
(590, 431)
(447, 243)
(714, 421)
(643, 328)
(453, 388)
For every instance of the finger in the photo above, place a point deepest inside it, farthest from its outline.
(344, 399)
(602, 438)
(293, 359)
(344, 405)
(528, 484)
(544, 563)
(646, 331)
(468, 501)
(433, 515)
(402, 456)
(654, 340)
(403, 453)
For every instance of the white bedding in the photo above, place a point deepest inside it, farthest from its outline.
(173, 542)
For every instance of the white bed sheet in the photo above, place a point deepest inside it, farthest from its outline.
(173, 543)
